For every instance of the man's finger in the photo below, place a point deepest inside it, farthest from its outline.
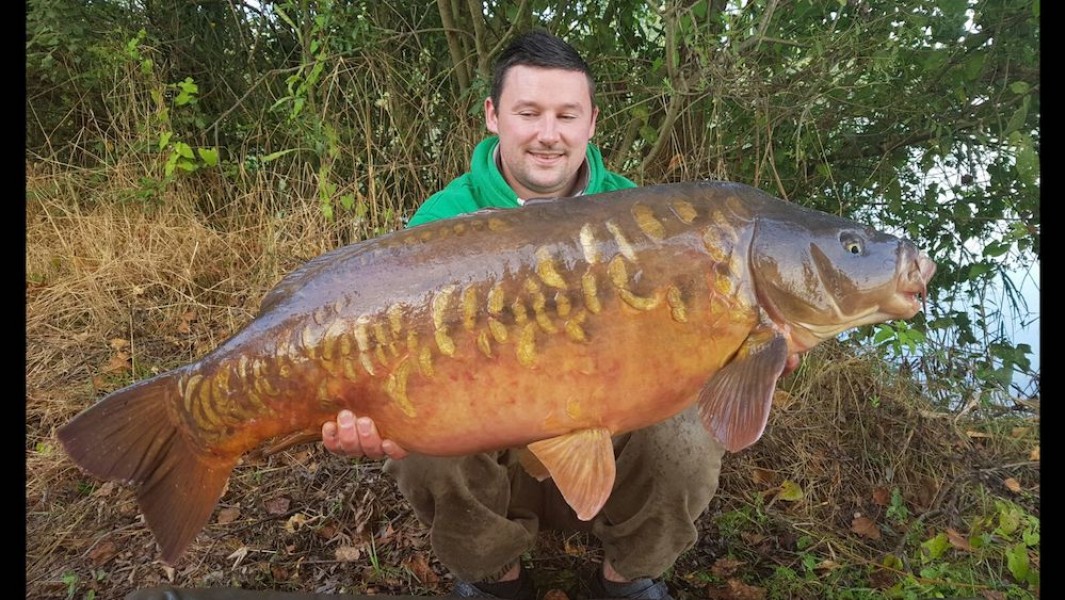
(369, 438)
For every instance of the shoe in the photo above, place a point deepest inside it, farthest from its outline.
(637, 589)
(519, 589)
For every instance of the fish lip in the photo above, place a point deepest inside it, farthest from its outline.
(916, 270)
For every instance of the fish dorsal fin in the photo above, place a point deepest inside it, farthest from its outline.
(582, 465)
(734, 404)
(541, 200)
(487, 210)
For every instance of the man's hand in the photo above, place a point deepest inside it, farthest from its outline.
(356, 438)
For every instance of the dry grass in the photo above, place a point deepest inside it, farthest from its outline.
(118, 291)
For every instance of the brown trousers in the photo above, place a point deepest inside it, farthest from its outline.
(484, 511)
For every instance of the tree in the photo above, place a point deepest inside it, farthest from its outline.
(921, 116)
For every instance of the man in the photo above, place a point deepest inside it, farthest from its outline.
(484, 511)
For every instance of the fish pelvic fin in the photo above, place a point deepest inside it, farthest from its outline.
(532, 465)
(129, 437)
(734, 405)
(582, 465)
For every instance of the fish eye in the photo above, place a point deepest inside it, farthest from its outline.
(851, 243)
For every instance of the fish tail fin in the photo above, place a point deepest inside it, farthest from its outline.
(129, 436)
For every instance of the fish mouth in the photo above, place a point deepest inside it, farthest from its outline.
(916, 270)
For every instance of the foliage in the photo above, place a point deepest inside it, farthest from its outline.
(919, 116)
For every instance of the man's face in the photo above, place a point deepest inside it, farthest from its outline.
(544, 121)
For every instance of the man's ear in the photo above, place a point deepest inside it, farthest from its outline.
(491, 116)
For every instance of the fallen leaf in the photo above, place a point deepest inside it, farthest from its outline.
(102, 553)
(958, 540)
(572, 546)
(119, 344)
(724, 567)
(418, 565)
(741, 591)
(238, 556)
(277, 506)
(279, 573)
(385, 534)
(347, 554)
(1034, 454)
(864, 526)
(295, 522)
(104, 490)
(927, 492)
(762, 476)
(883, 579)
(169, 572)
(1012, 485)
(119, 362)
(1019, 432)
(790, 491)
(782, 400)
(977, 434)
(753, 538)
(881, 496)
(827, 565)
(328, 530)
(228, 515)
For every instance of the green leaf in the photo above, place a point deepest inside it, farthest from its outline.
(164, 139)
(891, 561)
(1031, 538)
(209, 156)
(184, 150)
(996, 248)
(276, 155)
(171, 163)
(936, 546)
(1009, 519)
(883, 333)
(976, 270)
(790, 491)
(297, 107)
(1020, 87)
(1020, 115)
(1026, 156)
(972, 67)
(1017, 561)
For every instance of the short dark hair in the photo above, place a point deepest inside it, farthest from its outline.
(538, 48)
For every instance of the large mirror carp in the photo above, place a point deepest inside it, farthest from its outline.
(553, 326)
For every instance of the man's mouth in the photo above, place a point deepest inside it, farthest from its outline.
(547, 157)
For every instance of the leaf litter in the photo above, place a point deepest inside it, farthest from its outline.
(306, 520)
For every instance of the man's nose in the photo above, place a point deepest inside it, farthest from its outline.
(548, 129)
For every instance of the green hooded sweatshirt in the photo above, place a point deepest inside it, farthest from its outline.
(484, 187)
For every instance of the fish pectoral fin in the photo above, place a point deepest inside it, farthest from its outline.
(582, 465)
(532, 465)
(294, 439)
(734, 404)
